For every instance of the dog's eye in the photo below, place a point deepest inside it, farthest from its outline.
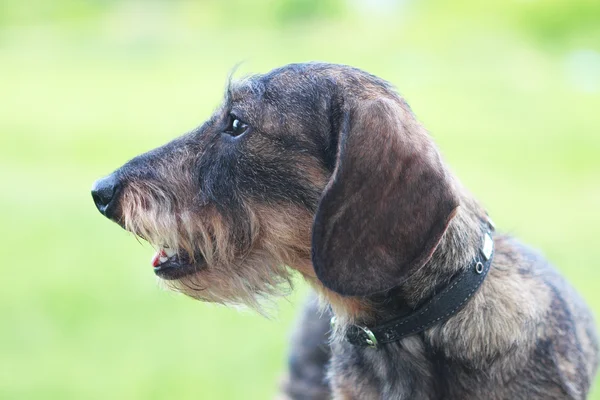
(235, 126)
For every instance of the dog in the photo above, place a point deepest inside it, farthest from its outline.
(324, 170)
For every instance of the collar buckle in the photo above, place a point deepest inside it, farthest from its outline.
(370, 339)
(488, 246)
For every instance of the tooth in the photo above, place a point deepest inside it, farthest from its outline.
(159, 258)
(169, 252)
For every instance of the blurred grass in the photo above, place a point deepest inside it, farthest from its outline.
(86, 85)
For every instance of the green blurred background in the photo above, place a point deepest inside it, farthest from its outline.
(509, 89)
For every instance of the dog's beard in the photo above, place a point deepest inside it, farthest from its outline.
(253, 284)
(223, 265)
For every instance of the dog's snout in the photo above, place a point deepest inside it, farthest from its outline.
(105, 192)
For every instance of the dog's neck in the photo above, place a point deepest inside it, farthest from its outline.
(455, 252)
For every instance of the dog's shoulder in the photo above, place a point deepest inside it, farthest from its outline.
(534, 300)
(526, 327)
(567, 336)
(564, 309)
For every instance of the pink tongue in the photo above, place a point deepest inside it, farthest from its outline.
(156, 259)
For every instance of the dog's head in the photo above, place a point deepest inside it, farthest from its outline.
(321, 168)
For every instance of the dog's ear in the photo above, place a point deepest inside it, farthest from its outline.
(387, 204)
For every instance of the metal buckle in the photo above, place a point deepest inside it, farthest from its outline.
(488, 246)
(371, 340)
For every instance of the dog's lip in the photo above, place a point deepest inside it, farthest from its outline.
(171, 265)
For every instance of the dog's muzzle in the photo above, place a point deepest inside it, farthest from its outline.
(168, 263)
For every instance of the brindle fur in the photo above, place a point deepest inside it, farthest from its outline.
(336, 179)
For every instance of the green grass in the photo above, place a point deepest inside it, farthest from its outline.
(82, 317)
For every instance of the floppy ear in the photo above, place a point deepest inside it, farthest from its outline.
(387, 204)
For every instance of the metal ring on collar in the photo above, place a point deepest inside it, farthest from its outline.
(479, 267)
(371, 340)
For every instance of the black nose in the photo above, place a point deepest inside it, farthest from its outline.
(104, 193)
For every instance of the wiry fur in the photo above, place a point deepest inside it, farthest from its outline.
(335, 178)
(236, 276)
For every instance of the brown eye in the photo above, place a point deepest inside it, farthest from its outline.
(236, 127)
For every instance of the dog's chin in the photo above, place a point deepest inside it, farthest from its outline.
(176, 265)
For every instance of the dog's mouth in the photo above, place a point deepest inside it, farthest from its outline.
(170, 264)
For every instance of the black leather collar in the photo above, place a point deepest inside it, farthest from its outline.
(436, 310)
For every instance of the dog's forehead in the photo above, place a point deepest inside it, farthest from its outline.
(274, 98)
(301, 97)
(290, 81)
(244, 89)
(309, 84)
